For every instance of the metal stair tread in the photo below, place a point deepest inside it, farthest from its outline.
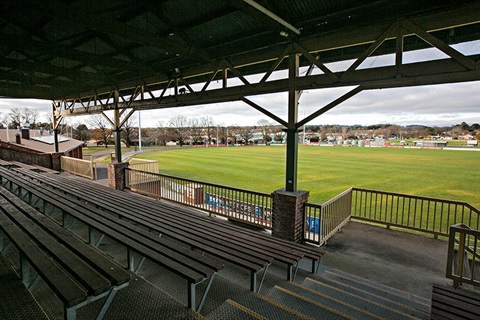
(374, 304)
(232, 310)
(309, 307)
(269, 308)
(368, 285)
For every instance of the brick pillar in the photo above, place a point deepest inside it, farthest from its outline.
(116, 175)
(56, 164)
(287, 214)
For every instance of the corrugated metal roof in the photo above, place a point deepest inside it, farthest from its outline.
(109, 44)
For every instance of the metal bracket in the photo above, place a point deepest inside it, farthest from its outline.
(253, 280)
(295, 271)
(140, 264)
(204, 296)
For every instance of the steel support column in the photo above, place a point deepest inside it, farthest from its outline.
(55, 123)
(292, 135)
(55, 140)
(117, 129)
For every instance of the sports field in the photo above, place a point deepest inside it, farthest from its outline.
(327, 171)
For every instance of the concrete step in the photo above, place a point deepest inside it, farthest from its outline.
(348, 305)
(364, 300)
(314, 308)
(233, 310)
(379, 289)
(269, 308)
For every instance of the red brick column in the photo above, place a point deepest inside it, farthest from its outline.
(116, 175)
(56, 165)
(287, 214)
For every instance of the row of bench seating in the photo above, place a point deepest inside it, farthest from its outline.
(76, 272)
(100, 208)
(190, 265)
(248, 249)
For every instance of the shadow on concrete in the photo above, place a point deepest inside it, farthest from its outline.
(405, 261)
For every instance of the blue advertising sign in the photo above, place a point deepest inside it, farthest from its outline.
(313, 224)
(237, 206)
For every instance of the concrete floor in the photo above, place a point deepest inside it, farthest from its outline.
(402, 260)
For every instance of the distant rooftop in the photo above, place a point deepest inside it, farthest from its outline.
(49, 139)
(42, 143)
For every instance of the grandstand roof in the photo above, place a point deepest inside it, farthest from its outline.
(66, 49)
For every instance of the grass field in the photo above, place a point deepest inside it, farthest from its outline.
(327, 171)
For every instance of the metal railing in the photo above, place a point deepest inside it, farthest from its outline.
(463, 261)
(79, 167)
(249, 207)
(429, 215)
(323, 221)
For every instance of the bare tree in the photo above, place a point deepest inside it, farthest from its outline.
(30, 116)
(245, 133)
(208, 124)
(266, 128)
(181, 131)
(163, 134)
(103, 132)
(128, 130)
(233, 133)
(223, 134)
(15, 116)
(196, 131)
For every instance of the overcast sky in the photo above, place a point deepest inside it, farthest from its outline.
(436, 105)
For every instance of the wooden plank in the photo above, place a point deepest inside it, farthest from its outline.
(252, 262)
(461, 295)
(231, 244)
(103, 264)
(81, 272)
(159, 256)
(282, 250)
(69, 292)
(454, 304)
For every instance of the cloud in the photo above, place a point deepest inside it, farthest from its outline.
(447, 104)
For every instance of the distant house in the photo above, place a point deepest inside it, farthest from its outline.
(37, 148)
(42, 141)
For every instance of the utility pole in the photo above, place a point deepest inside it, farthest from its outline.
(139, 132)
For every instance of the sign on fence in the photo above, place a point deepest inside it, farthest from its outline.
(313, 224)
(236, 206)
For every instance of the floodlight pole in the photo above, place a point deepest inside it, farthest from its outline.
(139, 132)
(8, 132)
(292, 135)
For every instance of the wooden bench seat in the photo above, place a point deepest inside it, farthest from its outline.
(185, 221)
(276, 245)
(32, 167)
(246, 258)
(75, 281)
(188, 264)
(451, 303)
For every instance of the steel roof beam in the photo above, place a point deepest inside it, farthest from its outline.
(415, 74)
(457, 16)
(272, 16)
(103, 24)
